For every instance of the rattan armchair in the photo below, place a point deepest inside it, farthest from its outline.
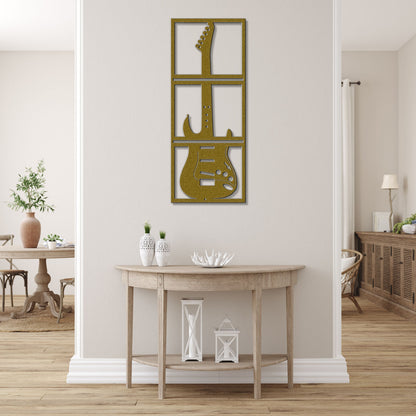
(8, 275)
(349, 277)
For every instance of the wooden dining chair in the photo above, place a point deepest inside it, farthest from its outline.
(64, 284)
(349, 275)
(8, 275)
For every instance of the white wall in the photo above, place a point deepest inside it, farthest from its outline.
(376, 118)
(407, 128)
(36, 122)
(126, 162)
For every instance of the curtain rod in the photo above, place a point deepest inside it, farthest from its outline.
(352, 83)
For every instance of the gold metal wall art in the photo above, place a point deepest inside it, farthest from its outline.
(213, 169)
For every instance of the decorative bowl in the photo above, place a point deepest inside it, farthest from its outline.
(409, 228)
(215, 259)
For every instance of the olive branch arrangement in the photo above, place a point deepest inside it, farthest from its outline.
(30, 192)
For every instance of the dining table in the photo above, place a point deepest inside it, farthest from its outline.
(42, 296)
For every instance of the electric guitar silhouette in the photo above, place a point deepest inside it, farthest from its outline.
(208, 173)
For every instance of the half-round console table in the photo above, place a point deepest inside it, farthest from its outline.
(192, 278)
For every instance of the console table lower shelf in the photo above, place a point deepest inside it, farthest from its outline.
(174, 362)
(191, 278)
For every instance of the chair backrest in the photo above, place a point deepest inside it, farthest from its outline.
(4, 239)
(350, 274)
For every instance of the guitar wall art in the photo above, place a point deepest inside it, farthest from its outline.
(208, 110)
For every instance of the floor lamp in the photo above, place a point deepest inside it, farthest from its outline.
(390, 182)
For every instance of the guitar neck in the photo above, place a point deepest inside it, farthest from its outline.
(206, 111)
(204, 45)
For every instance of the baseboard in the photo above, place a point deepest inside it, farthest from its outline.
(388, 304)
(113, 371)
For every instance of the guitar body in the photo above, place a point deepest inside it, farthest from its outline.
(208, 173)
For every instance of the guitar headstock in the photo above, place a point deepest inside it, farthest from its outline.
(205, 39)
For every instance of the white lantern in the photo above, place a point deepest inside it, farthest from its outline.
(226, 343)
(192, 329)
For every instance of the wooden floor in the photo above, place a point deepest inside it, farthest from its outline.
(380, 349)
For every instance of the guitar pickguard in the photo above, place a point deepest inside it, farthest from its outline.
(208, 172)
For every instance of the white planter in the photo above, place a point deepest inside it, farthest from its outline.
(409, 228)
(51, 245)
(162, 252)
(147, 249)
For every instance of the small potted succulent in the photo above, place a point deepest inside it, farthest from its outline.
(162, 250)
(147, 246)
(28, 196)
(52, 240)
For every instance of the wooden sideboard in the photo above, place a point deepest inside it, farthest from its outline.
(388, 272)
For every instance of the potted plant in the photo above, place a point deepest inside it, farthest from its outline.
(399, 226)
(162, 250)
(52, 240)
(147, 246)
(30, 195)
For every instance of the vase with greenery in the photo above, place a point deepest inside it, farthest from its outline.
(162, 250)
(28, 196)
(147, 246)
(52, 240)
(398, 226)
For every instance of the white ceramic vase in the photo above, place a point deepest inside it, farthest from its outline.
(147, 249)
(162, 252)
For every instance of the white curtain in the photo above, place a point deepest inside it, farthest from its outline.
(348, 169)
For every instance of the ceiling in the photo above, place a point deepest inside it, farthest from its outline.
(50, 24)
(37, 25)
(377, 25)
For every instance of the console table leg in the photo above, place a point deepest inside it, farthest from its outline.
(256, 305)
(289, 336)
(130, 293)
(162, 303)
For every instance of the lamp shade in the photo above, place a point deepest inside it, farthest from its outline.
(390, 182)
